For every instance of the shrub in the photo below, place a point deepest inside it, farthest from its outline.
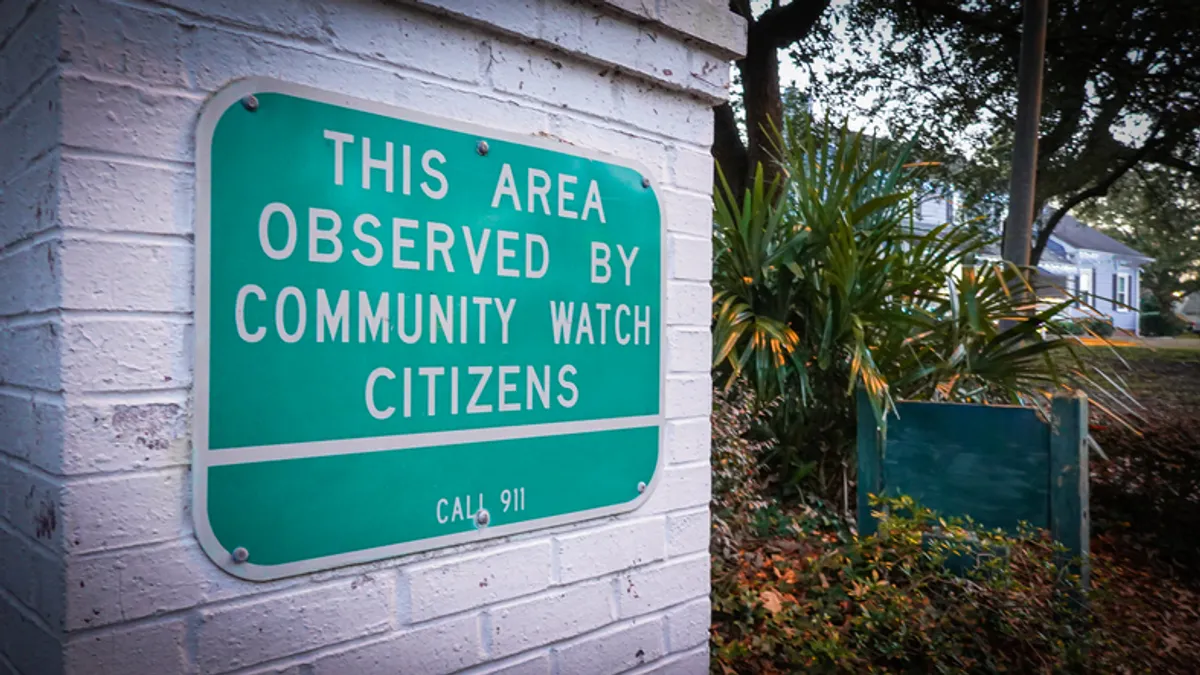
(820, 600)
(821, 286)
(1155, 321)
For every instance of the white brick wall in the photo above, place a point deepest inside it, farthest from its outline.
(99, 569)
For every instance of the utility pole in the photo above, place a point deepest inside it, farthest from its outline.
(1018, 229)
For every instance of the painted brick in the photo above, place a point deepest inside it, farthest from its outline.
(95, 195)
(688, 213)
(32, 430)
(613, 650)
(694, 662)
(409, 39)
(692, 170)
(706, 20)
(629, 147)
(688, 532)
(148, 648)
(28, 131)
(126, 119)
(537, 664)
(680, 487)
(29, 356)
(35, 577)
(709, 74)
(640, 9)
(106, 355)
(252, 632)
(690, 257)
(12, 13)
(561, 25)
(513, 16)
(604, 550)
(27, 645)
(28, 55)
(28, 202)
(688, 303)
(106, 275)
(689, 440)
(118, 437)
(687, 626)
(646, 590)
(637, 49)
(115, 40)
(215, 58)
(28, 280)
(552, 78)
(124, 510)
(32, 504)
(668, 113)
(131, 584)
(689, 396)
(446, 587)
(542, 619)
(689, 350)
(443, 647)
(293, 18)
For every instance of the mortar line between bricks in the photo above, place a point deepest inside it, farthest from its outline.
(32, 394)
(665, 661)
(58, 315)
(107, 237)
(33, 240)
(33, 6)
(28, 92)
(94, 77)
(32, 165)
(129, 396)
(85, 153)
(326, 50)
(30, 541)
(11, 666)
(27, 613)
(211, 21)
(84, 478)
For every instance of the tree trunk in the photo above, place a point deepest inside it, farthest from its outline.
(764, 107)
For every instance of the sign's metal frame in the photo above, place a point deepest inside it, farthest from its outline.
(213, 109)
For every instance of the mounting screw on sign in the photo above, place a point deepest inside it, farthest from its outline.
(250, 103)
(482, 148)
(240, 554)
(641, 486)
(482, 518)
(645, 182)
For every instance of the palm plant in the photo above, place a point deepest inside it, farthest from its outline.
(821, 286)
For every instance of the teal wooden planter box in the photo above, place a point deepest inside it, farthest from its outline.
(1000, 465)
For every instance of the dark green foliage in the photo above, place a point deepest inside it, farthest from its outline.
(1155, 321)
(822, 285)
(923, 594)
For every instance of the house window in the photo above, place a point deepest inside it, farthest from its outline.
(1123, 286)
(1085, 287)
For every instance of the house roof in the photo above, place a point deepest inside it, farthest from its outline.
(1078, 235)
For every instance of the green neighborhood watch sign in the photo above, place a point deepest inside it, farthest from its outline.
(412, 333)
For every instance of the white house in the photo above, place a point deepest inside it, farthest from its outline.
(1103, 272)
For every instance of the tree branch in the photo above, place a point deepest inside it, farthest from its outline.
(1098, 190)
(783, 25)
(1168, 160)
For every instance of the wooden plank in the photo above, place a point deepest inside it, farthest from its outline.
(986, 462)
(1069, 517)
(871, 439)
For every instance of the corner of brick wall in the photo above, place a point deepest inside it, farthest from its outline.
(96, 341)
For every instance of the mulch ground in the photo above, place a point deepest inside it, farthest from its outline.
(1145, 505)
